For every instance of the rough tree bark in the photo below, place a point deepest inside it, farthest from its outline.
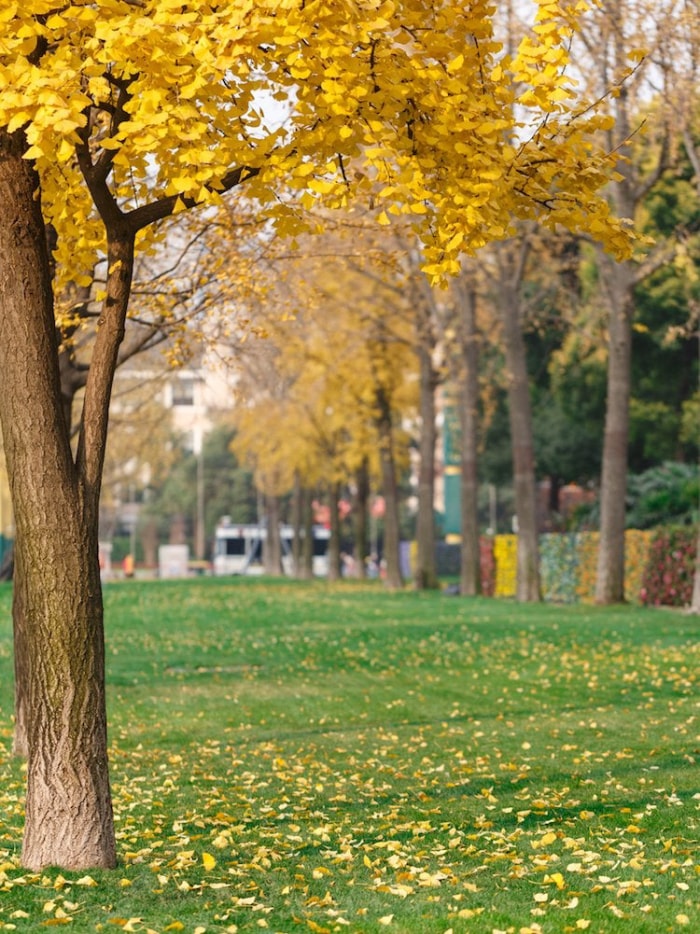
(68, 809)
(20, 742)
(71, 378)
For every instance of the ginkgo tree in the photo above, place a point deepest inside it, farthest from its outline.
(115, 114)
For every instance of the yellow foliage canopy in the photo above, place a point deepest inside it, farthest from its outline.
(413, 105)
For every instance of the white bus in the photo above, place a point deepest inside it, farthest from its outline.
(238, 548)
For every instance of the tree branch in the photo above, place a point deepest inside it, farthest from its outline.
(148, 214)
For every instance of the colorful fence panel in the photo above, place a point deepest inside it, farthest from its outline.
(659, 566)
(505, 553)
(559, 567)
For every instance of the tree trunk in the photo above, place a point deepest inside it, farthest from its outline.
(520, 416)
(393, 579)
(361, 525)
(470, 558)
(610, 580)
(149, 542)
(334, 541)
(20, 742)
(426, 574)
(272, 547)
(553, 504)
(618, 279)
(68, 806)
(297, 495)
(307, 550)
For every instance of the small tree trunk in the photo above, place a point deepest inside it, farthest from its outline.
(392, 536)
(149, 542)
(361, 525)
(468, 373)
(296, 526)
(307, 550)
(272, 549)
(618, 280)
(334, 541)
(426, 573)
(554, 495)
(520, 415)
(610, 580)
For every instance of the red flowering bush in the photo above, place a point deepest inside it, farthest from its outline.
(668, 575)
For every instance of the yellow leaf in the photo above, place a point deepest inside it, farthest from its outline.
(208, 861)
(175, 926)
(555, 878)
(317, 927)
(321, 185)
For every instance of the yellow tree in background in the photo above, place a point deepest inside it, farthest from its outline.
(344, 355)
(116, 114)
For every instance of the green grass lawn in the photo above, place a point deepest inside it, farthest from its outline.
(298, 757)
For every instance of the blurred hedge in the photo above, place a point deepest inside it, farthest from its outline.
(668, 573)
(659, 566)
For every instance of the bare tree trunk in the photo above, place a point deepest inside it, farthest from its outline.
(618, 280)
(425, 573)
(392, 536)
(68, 806)
(272, 548)
(296, 526)
(520, 420)
(610, 580)
(149, 542)
(468, 379)
(307, 551)
(334, 541)
(361, 525)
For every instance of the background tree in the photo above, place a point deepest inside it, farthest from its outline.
(462, 341)
(606, 41)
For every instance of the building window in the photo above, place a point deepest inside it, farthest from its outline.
(183, 391)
